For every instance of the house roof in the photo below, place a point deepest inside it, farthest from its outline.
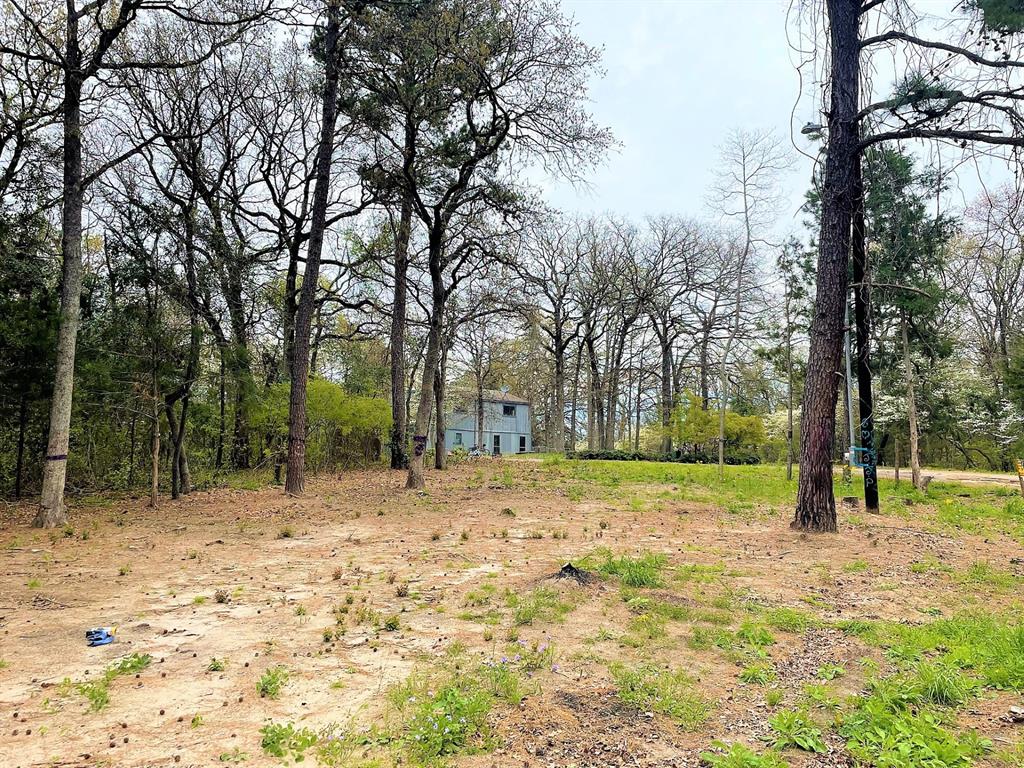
(490, 396)
(498, 396)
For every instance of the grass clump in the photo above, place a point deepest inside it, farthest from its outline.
(641, 571)
(669, 692)
(542, 604)
(447, 716)
(740, 756)
(758, 674)
(271, 682)
(796, 729)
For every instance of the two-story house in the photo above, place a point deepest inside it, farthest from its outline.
(507, 423)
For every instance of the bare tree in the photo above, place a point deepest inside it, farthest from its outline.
(746, 191)
(85, 44)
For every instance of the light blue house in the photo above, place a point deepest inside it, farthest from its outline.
(507, 423)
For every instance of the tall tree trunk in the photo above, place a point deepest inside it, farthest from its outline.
(815, 507)
(575, 402)
(20, 463)
(154, 452)
(440, 454)
(789, 398)
(172, 433)
(558, 420)
(639, 391)
(915, 456)
(399, 414)
(295, 479)
(222, 429)
(705, 365)
(131, 452)
(862, 318)
(415, 480)
(480, 411)
(52, 512)
(666, 395)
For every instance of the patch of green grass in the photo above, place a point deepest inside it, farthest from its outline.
(443, 718)
(542, 604)
(829, 671)
(820, 696)
(889, 733)
(641, 571)
(285, 741)
(701, 574)
(741, 756)
(97, 692)
(788, 619)
(795, 728)
(758, 674)
(271, 682)
(668, 692)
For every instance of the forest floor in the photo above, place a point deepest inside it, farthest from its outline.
(365, 625)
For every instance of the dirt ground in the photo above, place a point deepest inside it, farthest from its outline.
(254, 577)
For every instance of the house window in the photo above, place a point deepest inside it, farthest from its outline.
(522, 443)
(458, 438)
(508, 410)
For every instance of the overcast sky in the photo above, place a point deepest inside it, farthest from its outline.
(679, 75)
(682, 73)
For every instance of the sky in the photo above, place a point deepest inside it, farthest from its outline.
(681, 74)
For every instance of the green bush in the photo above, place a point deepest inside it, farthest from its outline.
(343, 429)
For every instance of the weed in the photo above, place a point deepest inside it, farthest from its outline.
(392, 623)
(856, 566)
(820, 696)
(271, 682)
(788, 619)
(740, 756)
(758, 674)
(124, 570)
(830, 671)
(197, 720)
(98, 691)
(642, 571)
(234, 756)
(669, 692)
(880, 732)
(216, 665)
(443, 718)
(286, 741)
(542, 604)
(286, 532)
(402, 589)
(796, 729)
